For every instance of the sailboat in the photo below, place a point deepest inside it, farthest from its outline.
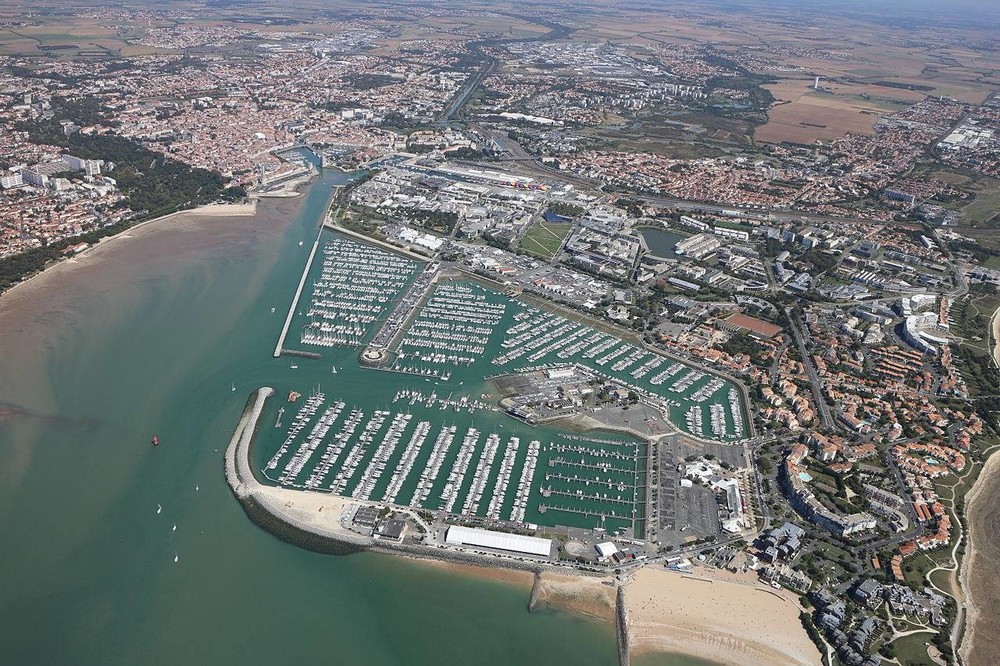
(334, 370)
(176, 557)
(158, 509)
(234, 386)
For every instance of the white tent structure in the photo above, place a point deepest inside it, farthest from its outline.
(468, 536)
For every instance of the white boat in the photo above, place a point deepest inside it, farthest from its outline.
(158, 508)
(334, 370)
(176, 557)
(175, 528)
(234, 386)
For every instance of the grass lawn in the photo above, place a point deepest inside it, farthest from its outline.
(915, 568)
(986, 204)
(544, 239)
(913, 649)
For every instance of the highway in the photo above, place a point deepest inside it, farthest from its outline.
(556, 31)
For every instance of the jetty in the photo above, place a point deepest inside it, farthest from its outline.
(298, 294)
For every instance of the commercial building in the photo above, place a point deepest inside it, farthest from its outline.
(516, 543)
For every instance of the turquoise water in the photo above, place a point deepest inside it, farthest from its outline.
(148, 337)
(432, 402)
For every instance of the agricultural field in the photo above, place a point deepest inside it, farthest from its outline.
(804, 115)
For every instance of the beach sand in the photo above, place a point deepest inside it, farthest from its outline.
(521, 579)
(723, 621)
(586, 595)
(981, 643)
(581, 594)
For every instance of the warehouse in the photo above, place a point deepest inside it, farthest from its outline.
(467, 536)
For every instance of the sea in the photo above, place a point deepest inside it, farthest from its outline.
(118, 552)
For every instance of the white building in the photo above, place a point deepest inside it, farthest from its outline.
(13, 180)
(468, 536)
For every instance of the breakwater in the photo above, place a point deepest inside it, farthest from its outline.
(536, 590)
(621, 629)
(298, 294)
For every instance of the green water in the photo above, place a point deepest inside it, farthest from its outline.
(92, 363)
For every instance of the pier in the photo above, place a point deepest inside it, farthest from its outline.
(298, 293)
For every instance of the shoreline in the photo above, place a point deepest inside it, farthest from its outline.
(313, 521)
(995, 330)
(690, 614)
(973, 610)
(209, 210)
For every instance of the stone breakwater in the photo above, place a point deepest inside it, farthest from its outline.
(621, 628)
(260, 506)
(536, 589)
(270, 509)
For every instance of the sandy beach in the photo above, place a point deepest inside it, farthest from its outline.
(581, 594)
(722, 621)
(520, 579)
(981, 642)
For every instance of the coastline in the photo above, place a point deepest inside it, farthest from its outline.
(207, 211)
(667, 612)
(995, 330)
(972, 648)
(692, 615)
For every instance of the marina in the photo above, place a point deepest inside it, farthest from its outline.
(356, 285)
(439, 440)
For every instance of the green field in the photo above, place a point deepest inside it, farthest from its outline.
(544, 239)
(912, 649)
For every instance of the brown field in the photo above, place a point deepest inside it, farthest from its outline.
(809, 115)
(950, 178)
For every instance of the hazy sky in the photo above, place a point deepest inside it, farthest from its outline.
(949, 7)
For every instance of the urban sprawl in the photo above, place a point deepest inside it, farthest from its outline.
(775, 357)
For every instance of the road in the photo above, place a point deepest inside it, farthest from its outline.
(556, 31)
(470, 87)
(817, 386)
